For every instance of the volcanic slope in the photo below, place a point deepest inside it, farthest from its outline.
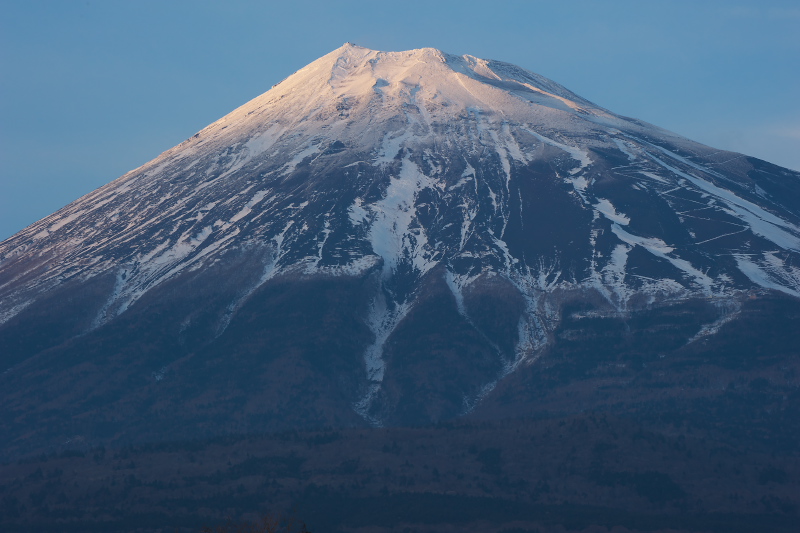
(393, 238)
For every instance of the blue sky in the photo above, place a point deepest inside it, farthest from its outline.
(92, 89)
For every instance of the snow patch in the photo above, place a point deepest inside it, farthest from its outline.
(625, 149)
(659, 248)
(356, 212)
(729, 310)
(8, 314)
(289, 167)
(581, 156)
(390, 234)
(247, 209)
(383, 317)
(609, 211)
(64, 221)
(771, 273)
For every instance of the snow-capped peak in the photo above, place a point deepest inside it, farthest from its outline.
(416, 159)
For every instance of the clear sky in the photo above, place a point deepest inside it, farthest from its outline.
(92, 89)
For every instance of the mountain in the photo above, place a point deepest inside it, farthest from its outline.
(404, 238)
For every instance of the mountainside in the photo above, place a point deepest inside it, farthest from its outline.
(398, 238)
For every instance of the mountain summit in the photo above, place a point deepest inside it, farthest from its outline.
(384, 238)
